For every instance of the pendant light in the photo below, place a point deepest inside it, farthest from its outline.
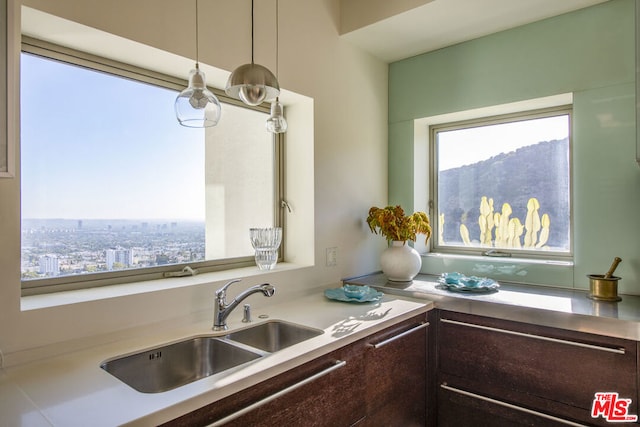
(276, 123)
(252, 83)
(197, 106)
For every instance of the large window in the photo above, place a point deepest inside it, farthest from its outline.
(113, 187)
(502, 185)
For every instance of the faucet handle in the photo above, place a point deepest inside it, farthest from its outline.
(222, 292)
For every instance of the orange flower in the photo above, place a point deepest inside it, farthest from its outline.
(392, 223)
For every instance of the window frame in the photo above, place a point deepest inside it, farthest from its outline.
(7, 163)
(101, 64)
(435, 247)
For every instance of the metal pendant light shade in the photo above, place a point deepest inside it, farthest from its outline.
(197, 106)
(252, 83)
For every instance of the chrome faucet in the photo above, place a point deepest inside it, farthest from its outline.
(221, 309)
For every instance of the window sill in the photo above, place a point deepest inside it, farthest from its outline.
(36, 302)
(504, 260)
(556, 273)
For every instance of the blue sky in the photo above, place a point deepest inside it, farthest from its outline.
(94, 146)
(467, 146)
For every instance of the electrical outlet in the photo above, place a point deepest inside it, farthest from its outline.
(331, 259)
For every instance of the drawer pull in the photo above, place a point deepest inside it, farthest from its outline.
(510, 406)
(538, 337)
(395, 337)
(338, 364)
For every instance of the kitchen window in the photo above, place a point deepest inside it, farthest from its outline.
(114, 190)
(501, 186)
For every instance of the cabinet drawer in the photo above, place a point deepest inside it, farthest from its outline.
(458, 408)
(331, 399)
(534, 363)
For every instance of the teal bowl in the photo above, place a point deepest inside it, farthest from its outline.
(356, 291)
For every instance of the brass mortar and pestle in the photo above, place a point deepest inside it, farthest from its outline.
(604, 287)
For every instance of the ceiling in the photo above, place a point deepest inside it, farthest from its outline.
(441, 23)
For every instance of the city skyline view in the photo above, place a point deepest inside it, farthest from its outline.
(106, 184)
(111, 181)
(59, 247)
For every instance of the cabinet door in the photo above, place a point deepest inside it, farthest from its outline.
(457, 408)
(327, 391)
(396, 372)
(552, 370)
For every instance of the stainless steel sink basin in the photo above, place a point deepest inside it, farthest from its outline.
(173, 365)
(170, 366)
(274, 335)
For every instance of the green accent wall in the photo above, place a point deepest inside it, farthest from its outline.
(589, 52)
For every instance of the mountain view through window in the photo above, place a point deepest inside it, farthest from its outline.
(505, 185)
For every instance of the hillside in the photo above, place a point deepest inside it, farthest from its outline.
(514, 177)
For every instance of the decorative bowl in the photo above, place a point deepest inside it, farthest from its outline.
(457, 282)
(356, 291)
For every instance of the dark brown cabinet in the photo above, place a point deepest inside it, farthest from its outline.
(377, 381)
(396, 376)
(493, 372)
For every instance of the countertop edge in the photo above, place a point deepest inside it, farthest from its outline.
(554, 307)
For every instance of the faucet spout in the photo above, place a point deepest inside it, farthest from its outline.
(222, 309)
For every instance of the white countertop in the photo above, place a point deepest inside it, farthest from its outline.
(72, 390)
(540, 305)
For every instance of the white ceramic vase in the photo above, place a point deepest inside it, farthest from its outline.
(400, 262)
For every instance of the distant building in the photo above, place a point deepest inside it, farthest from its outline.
(119, 255)
(49, 265)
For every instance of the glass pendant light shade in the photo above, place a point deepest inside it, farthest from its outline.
(197, 106)
(276, 122)
(253, 84)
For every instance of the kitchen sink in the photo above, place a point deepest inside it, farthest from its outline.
(172, 365)
(274, 335)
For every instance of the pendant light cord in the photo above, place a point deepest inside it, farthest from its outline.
(252, 31)
(277, 38)
(197, 47)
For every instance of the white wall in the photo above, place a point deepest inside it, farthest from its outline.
(348, 89)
